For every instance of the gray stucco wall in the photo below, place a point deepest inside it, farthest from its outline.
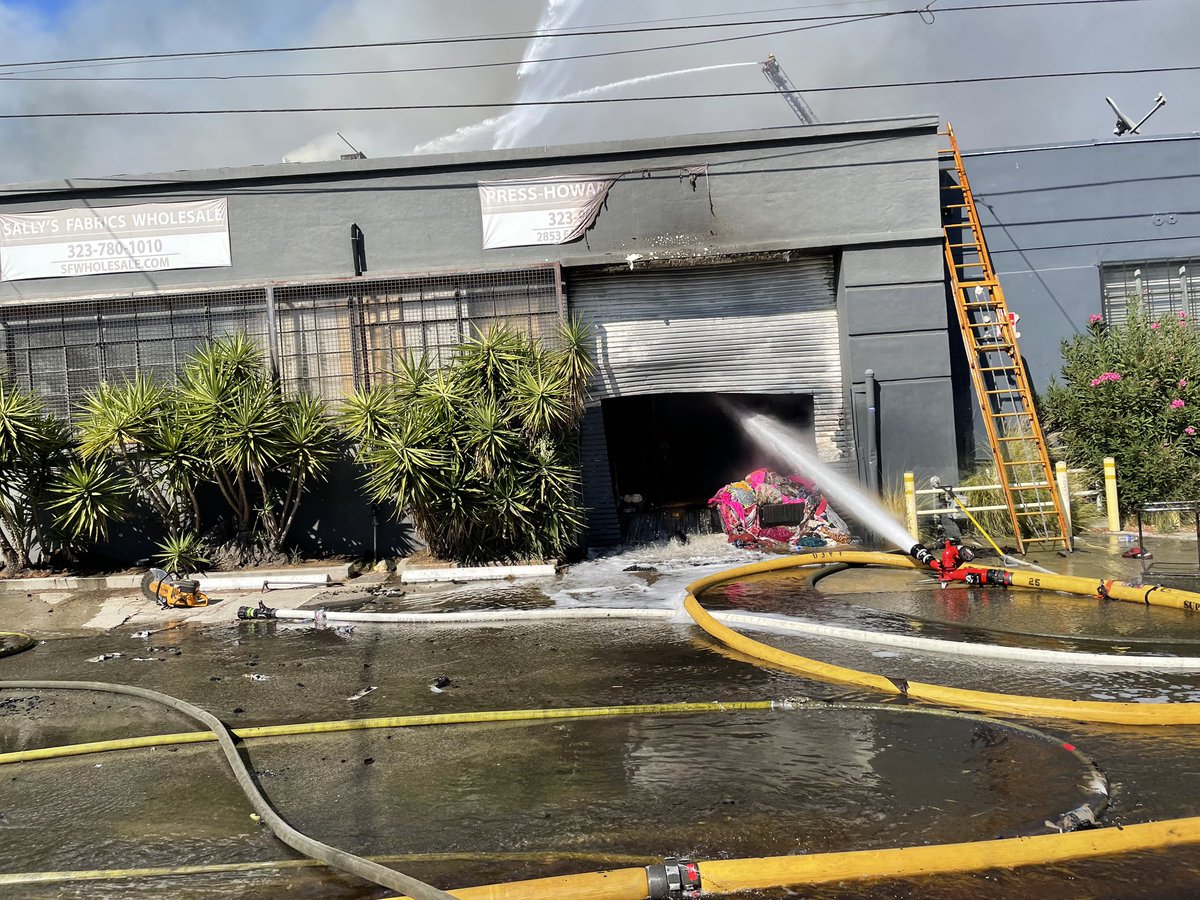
(1053, 215)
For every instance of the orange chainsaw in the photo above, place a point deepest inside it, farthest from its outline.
(171, 592)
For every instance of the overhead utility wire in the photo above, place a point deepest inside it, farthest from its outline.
(536, 35)
(844, 20)
(408, 107)
(414, 107)
(981, 79)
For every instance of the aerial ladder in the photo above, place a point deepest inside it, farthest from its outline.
(998, 372)
(783, 84)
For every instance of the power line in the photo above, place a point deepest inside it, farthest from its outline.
(844, 20)
(416, 107)
(588, 101)
(926, 10)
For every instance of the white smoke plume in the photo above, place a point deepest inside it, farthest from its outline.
(904, 48)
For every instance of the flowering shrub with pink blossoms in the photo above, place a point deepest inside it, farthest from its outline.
(1126, 391)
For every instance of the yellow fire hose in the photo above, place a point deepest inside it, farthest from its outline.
(8, 879)
(587, 885)
(510, 715)
(18, 643)
(1116, 713)
(730, 876)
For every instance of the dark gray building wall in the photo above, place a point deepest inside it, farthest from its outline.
(784, 188)
(1053, 215)
(895, 322)
(866, 191)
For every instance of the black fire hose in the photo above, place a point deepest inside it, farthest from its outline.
(340, 859)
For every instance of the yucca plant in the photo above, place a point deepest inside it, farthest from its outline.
(575, 360)
(89, 494)
(482, 454)
(486, 362)
(33, 449)
(264, 450)
(136, 427)
(182, 554)
(48, 496)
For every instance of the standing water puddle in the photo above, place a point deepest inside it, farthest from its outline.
(490, 802)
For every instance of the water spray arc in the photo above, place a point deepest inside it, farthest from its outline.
(787, 445)
(495, 124)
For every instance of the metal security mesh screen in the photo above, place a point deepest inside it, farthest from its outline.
(335, 337)
(1164, 287)
(327, 339)
(63, 349)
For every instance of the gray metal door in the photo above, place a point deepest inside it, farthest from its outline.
(768, 328)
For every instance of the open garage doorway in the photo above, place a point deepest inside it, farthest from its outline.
(669, 453)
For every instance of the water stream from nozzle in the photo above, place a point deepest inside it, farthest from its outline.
(787, 445)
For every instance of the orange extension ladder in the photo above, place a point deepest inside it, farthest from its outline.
(997, 370)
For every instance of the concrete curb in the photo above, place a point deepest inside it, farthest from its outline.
(475, 573)
(323, 574)
(67, 583)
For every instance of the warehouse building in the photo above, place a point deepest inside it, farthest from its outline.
(1081, 229)
(778, 265)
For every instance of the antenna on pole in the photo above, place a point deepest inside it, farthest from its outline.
(357, 154)
(1126, 125)
(776, 76)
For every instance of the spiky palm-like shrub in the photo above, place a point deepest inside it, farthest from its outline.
(138, 427)
(48, 496)
(1132, 391)
(483, 454)
(182, 554)
(263, 450)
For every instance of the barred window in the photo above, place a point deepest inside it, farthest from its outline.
(335, 337)
(327, 338)
(63, 349)
(1164, 287)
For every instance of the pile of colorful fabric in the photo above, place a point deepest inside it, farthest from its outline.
(816, 525)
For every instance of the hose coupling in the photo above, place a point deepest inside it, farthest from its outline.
(923, 555)
(675, 879)
(262, 611)
(1078, 818)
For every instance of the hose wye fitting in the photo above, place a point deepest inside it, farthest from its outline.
(675, 879)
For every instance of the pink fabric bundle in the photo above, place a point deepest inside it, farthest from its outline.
(738, 505)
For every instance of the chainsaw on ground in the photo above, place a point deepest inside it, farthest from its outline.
(171, 592)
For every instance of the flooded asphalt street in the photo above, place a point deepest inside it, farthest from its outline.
(468, 804)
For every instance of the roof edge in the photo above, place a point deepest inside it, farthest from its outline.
(473, 159)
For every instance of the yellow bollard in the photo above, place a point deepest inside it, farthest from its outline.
(1110, 494)
(1064, 494)
(910, 504)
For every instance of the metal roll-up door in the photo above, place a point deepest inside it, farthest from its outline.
(768, 328)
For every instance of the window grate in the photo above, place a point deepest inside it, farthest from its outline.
(336, 337)
(1165, 287)
(63, 349)
(329, 337)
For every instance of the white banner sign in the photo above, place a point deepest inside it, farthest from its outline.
(530, 211)
(148, 237)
